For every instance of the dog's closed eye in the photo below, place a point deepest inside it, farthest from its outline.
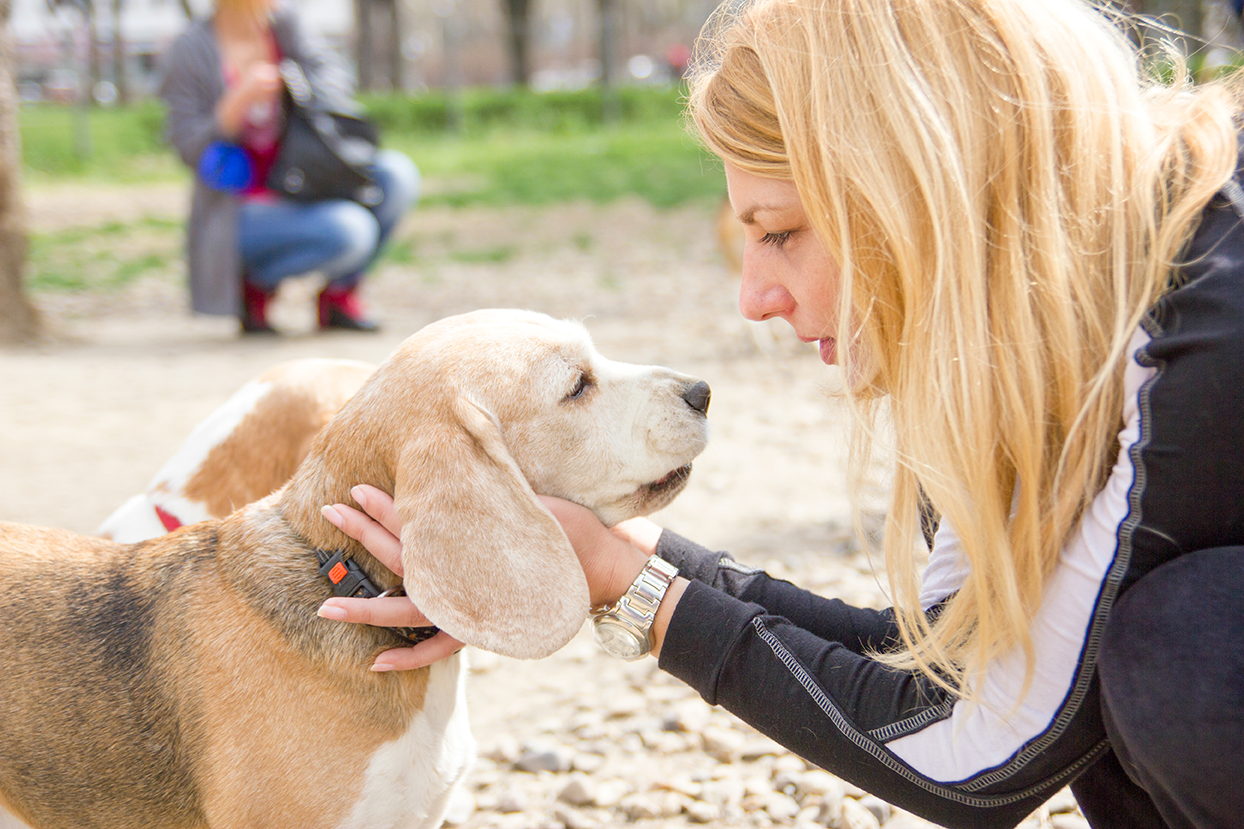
(583, 383)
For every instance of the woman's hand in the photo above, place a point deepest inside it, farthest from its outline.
(610, 563)
(378, 529)
(260, 85)
(613, 559)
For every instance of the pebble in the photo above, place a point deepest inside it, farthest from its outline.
(555, 759)
(1062, 802)
(880, 809)
(723, 745)
(511, 801)
(580, 790)
(856, 816)
(1068, 821)
(780, 807)
(610, 792)
(701, 812)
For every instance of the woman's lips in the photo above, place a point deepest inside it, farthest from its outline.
(827, 347)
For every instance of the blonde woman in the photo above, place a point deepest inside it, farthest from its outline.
(224, 95)
(983, 213)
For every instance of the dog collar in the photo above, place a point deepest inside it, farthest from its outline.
(170, 521)
(350, 580)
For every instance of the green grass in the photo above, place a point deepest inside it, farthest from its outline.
(656, 162)
(487, 147)
(124, 145)
(493, 256)
(106, 257)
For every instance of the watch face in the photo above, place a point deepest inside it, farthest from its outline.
(617, 640)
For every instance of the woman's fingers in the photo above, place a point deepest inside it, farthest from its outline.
(389, 612)
(378, 528)
(379, 505)
(379, 541)
(425, 653)
(639, 533)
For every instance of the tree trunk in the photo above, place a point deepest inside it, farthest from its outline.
(19, 321)
(119, 75)
(364, 49)
(396, 33)
(94, 58)
(608, 59)
(519, 14)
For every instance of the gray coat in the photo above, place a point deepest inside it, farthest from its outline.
(193, 82)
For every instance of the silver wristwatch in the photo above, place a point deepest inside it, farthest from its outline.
(624, 629)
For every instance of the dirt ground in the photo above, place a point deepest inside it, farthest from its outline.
(87, 419)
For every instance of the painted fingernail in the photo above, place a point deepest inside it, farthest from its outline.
(332, 515)
(360, 496)
(328, 611)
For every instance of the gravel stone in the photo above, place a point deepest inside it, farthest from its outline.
(610, 792)
(574, 819)
(781, 807)
(580, 790)
(640, 807)
(554, 759)
(880, 809)
(1068, 821)
(512, 800)
(725, 745)
(701, 812)
(857, 816)
(1062, 802)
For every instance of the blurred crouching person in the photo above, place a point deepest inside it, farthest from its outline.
(223, 90)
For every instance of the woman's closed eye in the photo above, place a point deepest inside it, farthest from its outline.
(776, 239)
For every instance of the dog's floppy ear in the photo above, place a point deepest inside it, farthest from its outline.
(485, 561)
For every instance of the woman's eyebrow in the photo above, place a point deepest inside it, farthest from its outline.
(748, 216)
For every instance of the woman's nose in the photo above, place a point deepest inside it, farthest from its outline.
(761, 294)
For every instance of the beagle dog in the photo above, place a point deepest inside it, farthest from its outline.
(242, 451)
(186, 681)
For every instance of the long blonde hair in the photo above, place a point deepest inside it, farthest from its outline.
(1005, 193)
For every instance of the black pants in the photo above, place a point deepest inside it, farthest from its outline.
(1172, 679)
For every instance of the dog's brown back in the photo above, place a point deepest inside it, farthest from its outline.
(81, 607)
(174, 738)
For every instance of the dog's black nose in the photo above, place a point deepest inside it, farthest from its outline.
(697, 396)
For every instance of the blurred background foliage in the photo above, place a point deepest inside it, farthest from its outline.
(483, 146)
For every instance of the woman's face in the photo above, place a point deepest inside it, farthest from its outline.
(787, 272)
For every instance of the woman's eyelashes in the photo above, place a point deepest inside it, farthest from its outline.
(776, 239)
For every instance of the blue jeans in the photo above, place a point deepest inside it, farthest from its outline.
(338, 238)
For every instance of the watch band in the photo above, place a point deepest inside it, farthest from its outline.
(639, 603)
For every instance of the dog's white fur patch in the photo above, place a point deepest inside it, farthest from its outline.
(409, 781)
(136, 520)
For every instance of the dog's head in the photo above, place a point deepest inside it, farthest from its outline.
(479, 413)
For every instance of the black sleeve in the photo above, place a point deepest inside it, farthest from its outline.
(860, 630)
(810, 685)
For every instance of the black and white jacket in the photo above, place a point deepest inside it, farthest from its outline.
(794, 664)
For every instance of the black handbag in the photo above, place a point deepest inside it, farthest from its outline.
(324, 154)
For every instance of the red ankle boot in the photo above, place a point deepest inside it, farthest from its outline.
(254, 316)
(341, 308)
